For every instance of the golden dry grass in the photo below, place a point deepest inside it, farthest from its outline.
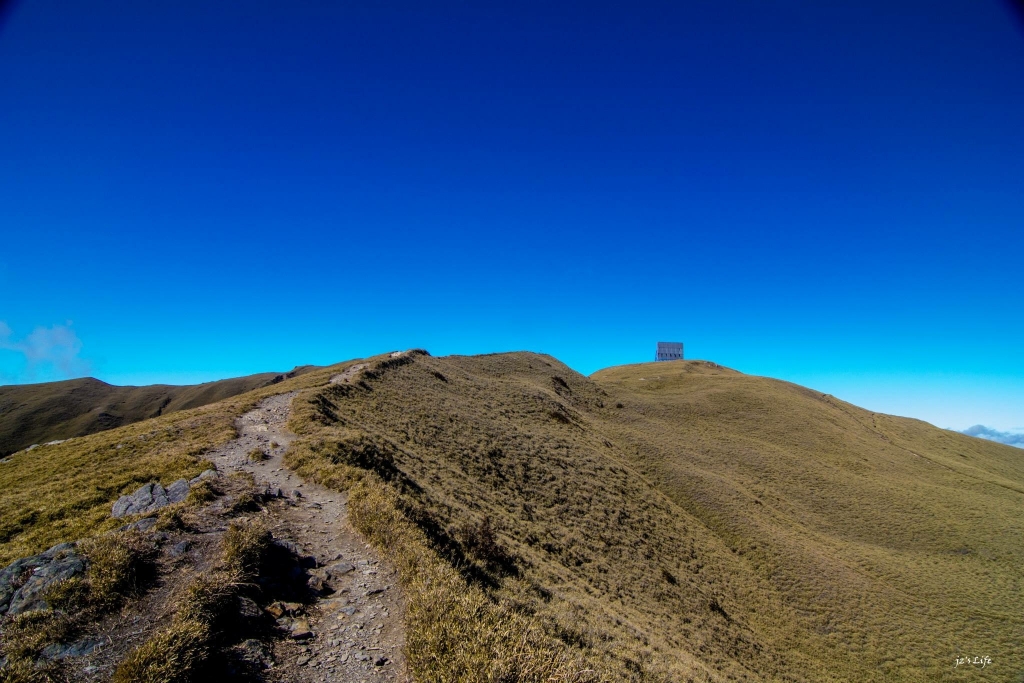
(64, 492)
(178, 653)
(714, 527)
(118, 566)
(660, 522)
(898, 545)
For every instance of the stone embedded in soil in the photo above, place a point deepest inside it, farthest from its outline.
(180, 548)
(77, 649)
(300, 630)
(25, 581)
(318, 585)
(142, 525)
(338, 570)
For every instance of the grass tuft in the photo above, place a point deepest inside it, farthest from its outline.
(175, 655)
(179, 653)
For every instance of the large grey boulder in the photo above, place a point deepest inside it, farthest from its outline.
(24, 582)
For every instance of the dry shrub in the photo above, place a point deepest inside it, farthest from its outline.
(245, 546)
(201, 493)
(119, 565)
(177, 654)
(172, 656)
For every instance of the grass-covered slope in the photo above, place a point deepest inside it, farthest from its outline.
(503, 465)
(681, 521)
(897, 544)
(64, 492)
(660, 522)
(37, 413)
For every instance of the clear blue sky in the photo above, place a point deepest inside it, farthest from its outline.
(831, 195)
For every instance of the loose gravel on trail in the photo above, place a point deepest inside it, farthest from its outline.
(356, 632)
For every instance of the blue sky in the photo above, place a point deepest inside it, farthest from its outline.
(830, 195)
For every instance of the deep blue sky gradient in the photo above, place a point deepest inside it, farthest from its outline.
(831, 195)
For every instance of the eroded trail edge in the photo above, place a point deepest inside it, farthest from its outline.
(355, 633)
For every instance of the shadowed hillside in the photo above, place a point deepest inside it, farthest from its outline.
(37, 413)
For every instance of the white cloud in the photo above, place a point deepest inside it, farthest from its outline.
(47, 352)
(983, 432)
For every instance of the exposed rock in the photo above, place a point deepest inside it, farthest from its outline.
(24, 583)
(148, 498)
(248, 609)
(180, 548)
(287, 545)
(301, 630)
(152, 496)
(79, 648)
(142, 525)
(203, 476)
(177, 491)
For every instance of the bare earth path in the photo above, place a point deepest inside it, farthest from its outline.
(358, 633)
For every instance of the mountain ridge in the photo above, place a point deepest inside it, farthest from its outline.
(48, 411)
(654, 522)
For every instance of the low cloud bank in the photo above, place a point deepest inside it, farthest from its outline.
(48, 352)
(983, 432)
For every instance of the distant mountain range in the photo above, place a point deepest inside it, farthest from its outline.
(38, 413)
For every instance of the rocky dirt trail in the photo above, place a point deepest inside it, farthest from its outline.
(355, 633)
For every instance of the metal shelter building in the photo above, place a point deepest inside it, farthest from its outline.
(669, 351)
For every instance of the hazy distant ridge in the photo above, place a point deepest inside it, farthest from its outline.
(37, 413)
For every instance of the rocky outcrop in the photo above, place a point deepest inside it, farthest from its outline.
(152, 496)
(25, 582)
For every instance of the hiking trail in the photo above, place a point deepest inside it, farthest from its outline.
(357, 632)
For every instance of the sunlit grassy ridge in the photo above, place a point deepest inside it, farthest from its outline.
(895, 541)
(659, 522)
(610, 568)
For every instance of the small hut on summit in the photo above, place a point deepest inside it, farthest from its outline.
(669, 351)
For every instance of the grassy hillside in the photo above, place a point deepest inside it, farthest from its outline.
(64, 492)
(895, 542)
(37, 413)
(659, 522)
(684, 521)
